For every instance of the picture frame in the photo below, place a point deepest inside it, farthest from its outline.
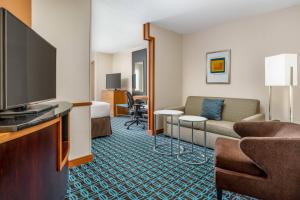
(218, 67)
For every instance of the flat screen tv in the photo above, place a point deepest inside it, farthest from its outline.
(27, 67)
(113, 81)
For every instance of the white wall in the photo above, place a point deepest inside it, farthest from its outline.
(66, 24)
(120, 62)
(104, 63)
(168, 68)
(250, 40)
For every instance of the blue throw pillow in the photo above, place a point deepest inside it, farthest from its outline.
(212, 109)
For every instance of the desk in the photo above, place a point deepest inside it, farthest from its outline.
(114, 97)
(144, 98)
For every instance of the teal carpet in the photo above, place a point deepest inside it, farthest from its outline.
(125, 167)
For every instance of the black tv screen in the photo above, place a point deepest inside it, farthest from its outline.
(28, 64)
(113, 81)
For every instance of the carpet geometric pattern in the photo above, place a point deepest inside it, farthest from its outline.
(125, 167)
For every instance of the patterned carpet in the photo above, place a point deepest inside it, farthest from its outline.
(125, 167)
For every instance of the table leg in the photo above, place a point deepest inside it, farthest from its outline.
(192, 136)
(192, 152)
(178, 137)
(154, 131)
(205, 140)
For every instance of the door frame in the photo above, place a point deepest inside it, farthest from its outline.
(150, 77)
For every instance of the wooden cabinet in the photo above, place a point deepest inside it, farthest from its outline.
(33, 160)
(115, 97)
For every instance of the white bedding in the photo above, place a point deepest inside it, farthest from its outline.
(100, 109)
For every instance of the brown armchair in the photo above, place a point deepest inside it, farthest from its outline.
(264, 164)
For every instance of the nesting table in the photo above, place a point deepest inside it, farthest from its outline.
(167, 113)
(185, 118)
(192, 119)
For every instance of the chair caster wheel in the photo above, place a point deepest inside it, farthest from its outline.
(127, 128)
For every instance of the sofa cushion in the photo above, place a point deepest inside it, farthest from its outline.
(238, 109)
(222, 128)
(229, 156)
(219, 127)
(234, 109)
(212, 109)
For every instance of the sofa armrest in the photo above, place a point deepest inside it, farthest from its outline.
(180, 108)
(273, 154)
(255, 118)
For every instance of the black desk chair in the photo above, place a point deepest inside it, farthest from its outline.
(137, 110)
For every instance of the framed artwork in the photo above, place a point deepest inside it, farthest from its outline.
(218, 67)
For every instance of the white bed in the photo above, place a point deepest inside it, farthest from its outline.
(100, 122)
(100, 109)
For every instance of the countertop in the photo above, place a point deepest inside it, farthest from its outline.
(21, 122)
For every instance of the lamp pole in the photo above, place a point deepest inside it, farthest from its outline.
(270, 101)
(291, 94)
(281, 70)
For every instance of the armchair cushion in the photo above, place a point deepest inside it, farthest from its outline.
(229, 156)
(274, 154)
(257, 129)
(267, 129)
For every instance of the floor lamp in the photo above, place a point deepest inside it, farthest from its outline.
(281, 70)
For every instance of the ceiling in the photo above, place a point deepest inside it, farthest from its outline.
(117, 24)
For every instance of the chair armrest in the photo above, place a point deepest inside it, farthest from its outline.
(273, 154)
(255, 118)
(257, 129)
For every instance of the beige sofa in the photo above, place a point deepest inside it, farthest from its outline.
(234, 110)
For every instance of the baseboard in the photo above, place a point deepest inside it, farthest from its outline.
(150, 132)
(158, 131)
(79, 161)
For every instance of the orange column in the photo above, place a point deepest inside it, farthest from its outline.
(151, 78)
(19, 8)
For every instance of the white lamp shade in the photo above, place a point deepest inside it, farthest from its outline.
(278, 70)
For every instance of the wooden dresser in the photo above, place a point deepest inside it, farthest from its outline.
(115, 97)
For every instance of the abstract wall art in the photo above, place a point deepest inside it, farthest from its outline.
(218, 67)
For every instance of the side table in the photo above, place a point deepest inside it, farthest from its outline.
(192, 119)
(170, 113)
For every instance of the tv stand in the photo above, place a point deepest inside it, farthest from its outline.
(34, 109)
(39, 147)
(19, 109)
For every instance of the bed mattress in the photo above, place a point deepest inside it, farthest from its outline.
(100, 109)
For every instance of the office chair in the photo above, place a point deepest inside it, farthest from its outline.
(137, 110)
